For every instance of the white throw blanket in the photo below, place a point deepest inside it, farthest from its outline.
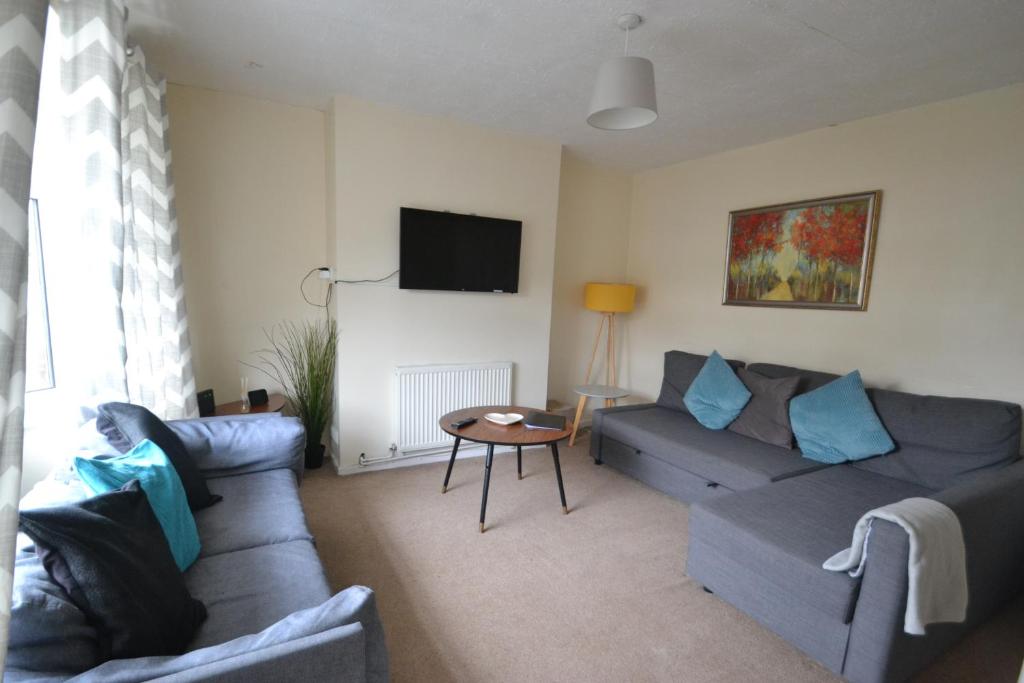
(936, 567)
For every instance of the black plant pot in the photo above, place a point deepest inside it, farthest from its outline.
(314, 455)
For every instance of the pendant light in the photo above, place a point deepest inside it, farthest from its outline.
(624, 95)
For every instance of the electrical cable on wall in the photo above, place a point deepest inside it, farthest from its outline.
(330, 286)
(327, 297)
(360, 282)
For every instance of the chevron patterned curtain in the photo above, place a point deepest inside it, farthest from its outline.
(22, 27)
(159, 357)
(122, 200)
(93, 38)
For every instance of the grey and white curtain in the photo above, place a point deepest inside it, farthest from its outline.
(158, 364)
(22, 27)
(121, 196)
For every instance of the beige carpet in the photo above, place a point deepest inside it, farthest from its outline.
(598, 595)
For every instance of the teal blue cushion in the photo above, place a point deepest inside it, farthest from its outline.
(837, 422)
(717, 396)
(158, 478)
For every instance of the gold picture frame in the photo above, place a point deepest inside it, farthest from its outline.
(816, 253)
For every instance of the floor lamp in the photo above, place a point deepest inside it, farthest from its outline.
(607, 299)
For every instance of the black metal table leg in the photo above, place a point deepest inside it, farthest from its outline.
(519, 461)
(448, 474)
(487, 483)
(558, 474)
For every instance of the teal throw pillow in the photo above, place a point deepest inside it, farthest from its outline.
(837, 422)
(717, 396)
(163, 487)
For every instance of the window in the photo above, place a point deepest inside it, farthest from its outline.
(39, 353)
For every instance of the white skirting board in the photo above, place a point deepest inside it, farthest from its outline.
(467, 450)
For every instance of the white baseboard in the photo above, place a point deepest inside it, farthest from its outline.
(467, 450)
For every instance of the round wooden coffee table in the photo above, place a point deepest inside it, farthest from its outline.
(486, 432)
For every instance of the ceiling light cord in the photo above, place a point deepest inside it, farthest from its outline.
(625, 52)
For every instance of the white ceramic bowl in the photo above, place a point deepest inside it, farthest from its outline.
(503, 418)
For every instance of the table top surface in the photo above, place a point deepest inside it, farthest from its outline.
(484, 431)
(600, 391)
(274, 404)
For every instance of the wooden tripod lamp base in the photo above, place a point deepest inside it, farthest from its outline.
(607, 299)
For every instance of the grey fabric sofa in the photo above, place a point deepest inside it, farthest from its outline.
(271, 613)
(763, 518)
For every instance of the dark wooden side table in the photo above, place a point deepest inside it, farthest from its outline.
(275, 404)
(486, 432)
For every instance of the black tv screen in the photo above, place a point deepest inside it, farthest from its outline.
(452, 251)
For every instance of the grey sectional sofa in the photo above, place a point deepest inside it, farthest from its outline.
(272, 616)
(763, 518)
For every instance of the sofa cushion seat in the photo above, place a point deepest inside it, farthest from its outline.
(788, 529)
(248, 590)
(730, 459)
(261, 508)
(941, 441)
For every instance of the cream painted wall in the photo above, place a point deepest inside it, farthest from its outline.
(945, 313)
(591, 246)
(386, 159)
(250, 177)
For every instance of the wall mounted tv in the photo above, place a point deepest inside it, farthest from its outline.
(456, 252)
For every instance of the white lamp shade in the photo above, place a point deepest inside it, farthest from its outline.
(624, 95)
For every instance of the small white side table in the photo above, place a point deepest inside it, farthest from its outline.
(608, 393)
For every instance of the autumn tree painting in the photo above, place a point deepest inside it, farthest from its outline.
(813, 254)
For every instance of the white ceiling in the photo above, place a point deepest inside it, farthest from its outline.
(729, 72)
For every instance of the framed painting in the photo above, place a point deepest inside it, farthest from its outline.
(810, 254)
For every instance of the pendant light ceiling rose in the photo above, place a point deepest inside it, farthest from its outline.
(624, 94)
(628, 22)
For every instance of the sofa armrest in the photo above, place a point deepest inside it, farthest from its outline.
(308, 645)
(338, 654)
(991, 513)
(596, 426)
(990, 508)
(226, 447)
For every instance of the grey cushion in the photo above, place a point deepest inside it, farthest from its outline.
(766, 415)
(258, 509)
(789, 528)
(944, 441)
(48, 632)
(735, 461)
(809, 379)
(248, 590)
(681, 368)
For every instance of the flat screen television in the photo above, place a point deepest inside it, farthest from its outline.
(460, 253)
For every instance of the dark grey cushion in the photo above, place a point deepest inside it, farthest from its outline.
(681, 368)
(248, 590)
(258, 509)
(734, 461)
(809, 379)
(789, 528)
(111, 556)
(942, 441)
(48, 631)
(125, 425)
(766, 415)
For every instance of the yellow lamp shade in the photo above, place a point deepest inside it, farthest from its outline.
(608, 297)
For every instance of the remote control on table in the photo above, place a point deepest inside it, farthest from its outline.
(463, 423)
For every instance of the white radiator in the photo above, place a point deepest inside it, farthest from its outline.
(423, 393)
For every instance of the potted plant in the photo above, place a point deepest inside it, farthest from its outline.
(301, 358)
